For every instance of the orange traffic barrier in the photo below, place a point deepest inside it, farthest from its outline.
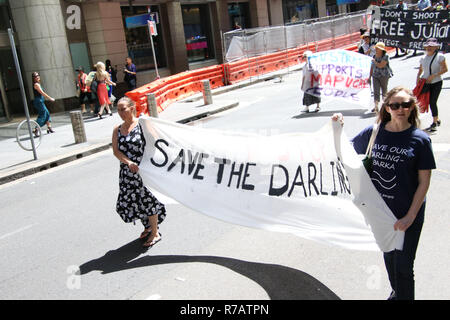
(176, 87)
(179, 86)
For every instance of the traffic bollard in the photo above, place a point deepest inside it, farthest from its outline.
(207, 96)
(78, 126)
(152, 106)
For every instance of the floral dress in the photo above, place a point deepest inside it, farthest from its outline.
(135, 201)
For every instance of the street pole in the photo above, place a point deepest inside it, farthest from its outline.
(22, 89)
(152, 30)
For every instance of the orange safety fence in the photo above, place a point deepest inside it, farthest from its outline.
(176, 87)
(179, 86)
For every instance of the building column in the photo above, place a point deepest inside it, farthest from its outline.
(44, 48)
(220, 24)
(322, 8)
(174, 36)
(275, 8)
(259, 15)
(106, 35)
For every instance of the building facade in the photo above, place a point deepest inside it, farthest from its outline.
(54, 37)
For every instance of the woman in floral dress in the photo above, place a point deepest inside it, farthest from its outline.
(135, 201)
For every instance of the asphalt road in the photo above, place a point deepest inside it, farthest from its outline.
(60, 237)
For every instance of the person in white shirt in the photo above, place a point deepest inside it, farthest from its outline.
(308, 99)
(366, 48)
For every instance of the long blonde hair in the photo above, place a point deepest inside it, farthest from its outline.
(101, 71)
(384, 116)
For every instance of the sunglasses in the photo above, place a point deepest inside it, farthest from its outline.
(404, 105)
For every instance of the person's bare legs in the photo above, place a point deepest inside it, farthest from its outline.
(154, 235)
(102, 107)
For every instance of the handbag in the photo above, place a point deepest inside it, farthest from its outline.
(391, 73)
(367, 160)
(423, 98)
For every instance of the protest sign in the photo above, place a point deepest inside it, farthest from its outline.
(409, 29)
(339, 74)
(284, 183)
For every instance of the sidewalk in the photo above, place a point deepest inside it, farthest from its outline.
(59, 148)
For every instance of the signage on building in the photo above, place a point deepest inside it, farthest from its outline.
(340, 2)
(141, 20)
(73, 21)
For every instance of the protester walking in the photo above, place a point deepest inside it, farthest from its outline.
(308, 99)
(366, 48)
(431, 68)
(39, 104)
(113, 76)
(402, 176)
(130, 74)
(135, 201)
(85, 92)
(102, 78)
(380, 73)
(401, 6)
(91, 83)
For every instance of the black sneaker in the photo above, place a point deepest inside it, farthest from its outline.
(432, 128)
(438, 123)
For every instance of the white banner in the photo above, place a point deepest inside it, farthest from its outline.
(312, 185)
(339, 74)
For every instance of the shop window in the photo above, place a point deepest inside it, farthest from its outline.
(197, 32)
(239, 15)
(5, 16)
(332, 8)
(138, 38)
(299, 10)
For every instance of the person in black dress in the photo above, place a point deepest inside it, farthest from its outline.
(135, 201)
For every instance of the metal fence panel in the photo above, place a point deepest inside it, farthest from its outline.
(244, 44)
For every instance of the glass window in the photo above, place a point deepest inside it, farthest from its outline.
(239, 15)
(197, 32)
(332, 8)
(138, 38)
(299, 10)
(5, 16)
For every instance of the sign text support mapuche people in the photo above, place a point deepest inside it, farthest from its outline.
(339, 74)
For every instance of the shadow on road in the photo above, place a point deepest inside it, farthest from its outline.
(280, 282)
(362, 113)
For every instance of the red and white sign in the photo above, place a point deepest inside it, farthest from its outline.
(152, 28)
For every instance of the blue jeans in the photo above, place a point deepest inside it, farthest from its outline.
(400, 263)
(131, 84)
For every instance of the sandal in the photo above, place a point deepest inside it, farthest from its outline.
(155, 240)
(145, 233)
